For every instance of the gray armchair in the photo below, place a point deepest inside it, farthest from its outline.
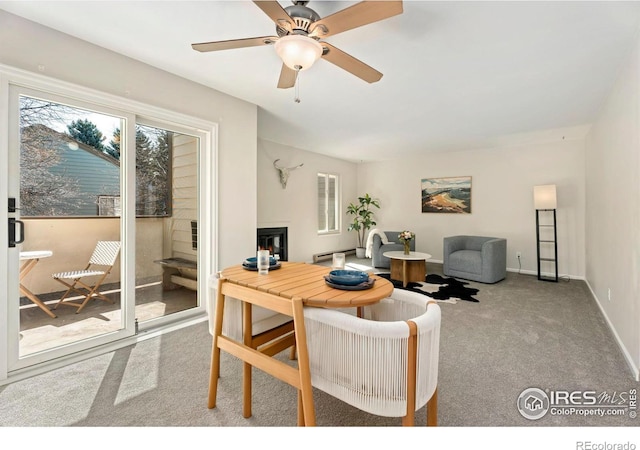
(476, 258)
(379, 248)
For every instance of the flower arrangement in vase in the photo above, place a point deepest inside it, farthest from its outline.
(406, 237)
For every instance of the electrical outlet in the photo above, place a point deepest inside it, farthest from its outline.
(518, 255)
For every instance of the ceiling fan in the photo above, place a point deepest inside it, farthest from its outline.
(300, 30)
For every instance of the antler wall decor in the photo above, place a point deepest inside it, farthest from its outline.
(284, 172)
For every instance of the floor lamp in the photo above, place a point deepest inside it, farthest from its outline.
(544, 200)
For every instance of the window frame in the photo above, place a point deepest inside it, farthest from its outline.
(336, 199)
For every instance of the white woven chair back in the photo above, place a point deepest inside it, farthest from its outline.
(364, 361)
(105, 253)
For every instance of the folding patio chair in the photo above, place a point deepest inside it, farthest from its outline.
(104, 257)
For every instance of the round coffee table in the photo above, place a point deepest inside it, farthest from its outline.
(406, 268)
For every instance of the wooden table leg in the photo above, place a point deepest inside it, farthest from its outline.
(24, 270)
(397, 270)
(306, 390)
(246, 367)
(215, 350)
(26, 267)
(31, 296)
(416, 270)
(405, 275)
(408, 270)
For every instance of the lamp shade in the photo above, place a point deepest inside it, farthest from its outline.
(298, 52)
(544, 197)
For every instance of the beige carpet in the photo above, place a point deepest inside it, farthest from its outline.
(523, 333)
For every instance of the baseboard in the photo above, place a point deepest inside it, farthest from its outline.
(561, 277)
(635, 371)
(522, 271)
(318, 257)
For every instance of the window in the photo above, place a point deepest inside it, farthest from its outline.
(328, 203)
(154, 154)
(70, 162)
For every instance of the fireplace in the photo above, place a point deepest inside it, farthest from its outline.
(274, 240)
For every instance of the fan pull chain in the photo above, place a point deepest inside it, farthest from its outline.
(296, 98)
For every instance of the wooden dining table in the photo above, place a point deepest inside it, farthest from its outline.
(287, 290)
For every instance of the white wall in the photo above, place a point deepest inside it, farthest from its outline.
(27, 45)
(296, 206)
(502, 195)
(613, 209)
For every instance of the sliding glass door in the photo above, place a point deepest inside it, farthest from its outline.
(69, 222)
(110, 204)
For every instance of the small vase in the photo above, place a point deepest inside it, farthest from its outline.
(406, 247)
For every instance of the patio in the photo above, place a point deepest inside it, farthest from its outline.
(39, 332)
(155, 239)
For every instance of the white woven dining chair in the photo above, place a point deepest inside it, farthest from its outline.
(385, 363)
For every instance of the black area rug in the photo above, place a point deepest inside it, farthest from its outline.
(438, 288)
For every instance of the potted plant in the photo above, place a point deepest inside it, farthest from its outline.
(362, 220)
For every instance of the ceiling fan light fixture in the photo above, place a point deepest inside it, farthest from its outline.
(298, 52)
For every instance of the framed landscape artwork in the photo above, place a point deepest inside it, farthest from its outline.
(446, 195)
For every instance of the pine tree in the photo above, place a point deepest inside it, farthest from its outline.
(85, 131)
(113, 149)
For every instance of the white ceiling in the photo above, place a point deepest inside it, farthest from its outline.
(456, 74)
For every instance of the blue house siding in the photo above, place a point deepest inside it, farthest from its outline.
(91, 173)
(94, 174)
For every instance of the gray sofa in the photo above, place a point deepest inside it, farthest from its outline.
(378, 248)
(476, 258)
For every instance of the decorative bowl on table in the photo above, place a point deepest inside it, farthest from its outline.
(252, 264)
(348, 277)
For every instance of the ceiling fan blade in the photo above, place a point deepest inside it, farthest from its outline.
(350, 64)
(287, 77)
(277, 13)
(234, 43)
(360, 14)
